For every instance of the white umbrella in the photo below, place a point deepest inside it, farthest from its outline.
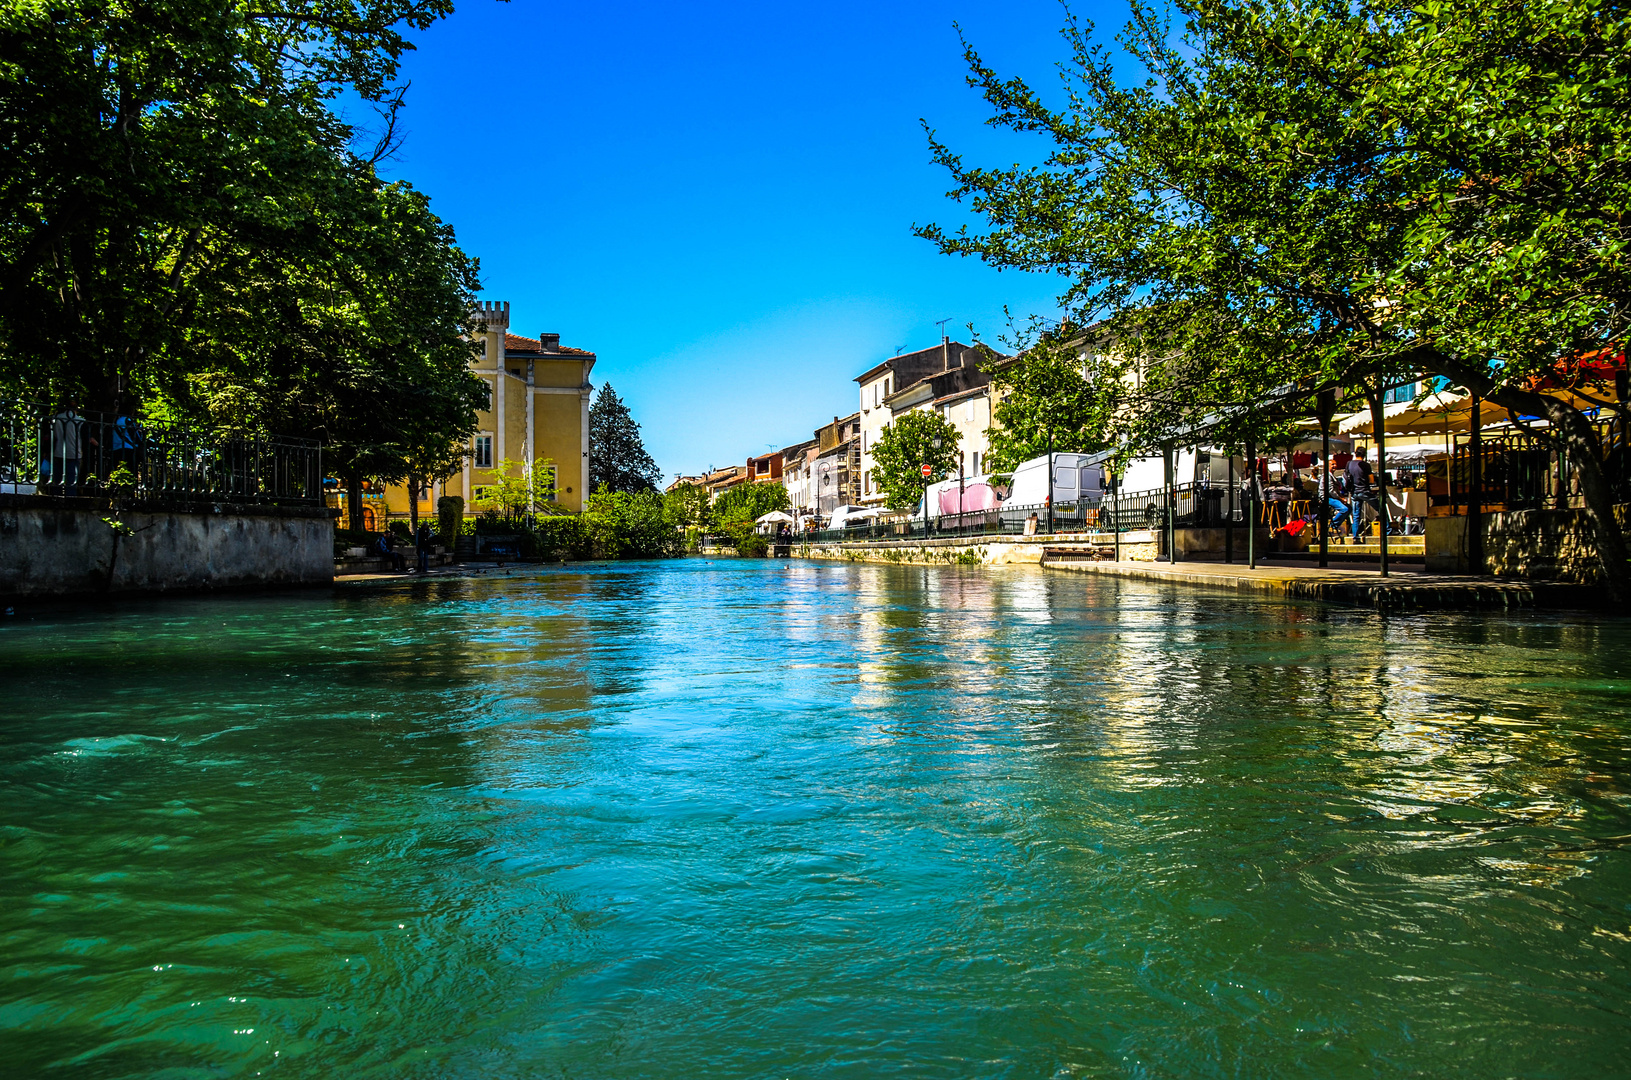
(775, 516)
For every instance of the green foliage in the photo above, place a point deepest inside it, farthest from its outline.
(1294, 196)
(747, 502)
(617, 456)
(687, 506)
(905, 446)
(631, 525)
(449, 518)
(185, 225)
(517, 489)
(753, 546)
(1044, 395)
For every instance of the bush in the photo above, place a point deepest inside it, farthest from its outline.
(449, 518)
(753, 545)
(401, 529)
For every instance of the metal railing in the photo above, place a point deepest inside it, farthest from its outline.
(1194, 505)
(63, 453)
(1520, 471)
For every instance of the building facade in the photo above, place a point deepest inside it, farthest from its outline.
(883, 382)
(537, 407)
(835, 468)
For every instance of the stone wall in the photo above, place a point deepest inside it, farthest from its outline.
(1534, 545)
(65, 547)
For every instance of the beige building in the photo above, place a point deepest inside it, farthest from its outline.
(919, 380)
(538, 407)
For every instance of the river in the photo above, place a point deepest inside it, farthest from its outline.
(771, 819)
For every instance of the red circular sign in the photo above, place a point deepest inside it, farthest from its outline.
(926, 471)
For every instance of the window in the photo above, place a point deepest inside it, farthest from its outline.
(974, 463)
(866, 482)
(1399, 393)
(543, 484)
(482, 452)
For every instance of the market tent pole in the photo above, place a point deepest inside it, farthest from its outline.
(1475, 495)
(1251, 504)
(1229, 518)
(1379, 427)
(1322, 488)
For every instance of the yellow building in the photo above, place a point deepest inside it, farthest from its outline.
(538, 406)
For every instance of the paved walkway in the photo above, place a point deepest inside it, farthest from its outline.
(1365, 588)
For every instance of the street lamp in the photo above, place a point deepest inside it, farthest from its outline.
(928, 529)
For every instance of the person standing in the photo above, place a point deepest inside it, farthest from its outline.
(1361, 491)
(421, 545)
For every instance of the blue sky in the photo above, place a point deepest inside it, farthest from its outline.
(717, 198)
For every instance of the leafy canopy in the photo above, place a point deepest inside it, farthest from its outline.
(910, 442)
(1295, 196)
(747, 502)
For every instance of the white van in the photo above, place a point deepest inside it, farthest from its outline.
(1075, 476)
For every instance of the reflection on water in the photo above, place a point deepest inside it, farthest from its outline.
(760, 819)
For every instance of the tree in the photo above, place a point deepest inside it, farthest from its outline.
(617, 456)
(518, 488)
(630, 525)
(745, 503)
(1307, 196)
(1043, 401)
(141, 144)
(688, 506)
(906, 445)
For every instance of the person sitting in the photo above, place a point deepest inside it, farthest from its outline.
(382, 546)
(1328, 493)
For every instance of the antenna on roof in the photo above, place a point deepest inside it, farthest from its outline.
(945, 353)
(898, 350)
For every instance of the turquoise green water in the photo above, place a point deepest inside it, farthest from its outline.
(766, 820)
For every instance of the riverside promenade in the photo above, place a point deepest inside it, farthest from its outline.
(1357, 587)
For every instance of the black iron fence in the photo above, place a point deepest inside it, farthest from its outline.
(64, 453)
(1515, 470)
(1193, 505)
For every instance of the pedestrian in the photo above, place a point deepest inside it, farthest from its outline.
(128, 439)
(1361, 491)
(421, 546)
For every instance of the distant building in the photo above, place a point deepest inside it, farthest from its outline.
(962, 396)
(538, 406)
(796, 476)
(765, 469)
(722, 480)
(882, 382)
(835, 469)
(682, 481)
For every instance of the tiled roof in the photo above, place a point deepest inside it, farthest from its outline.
(978, 391)
(515, 343)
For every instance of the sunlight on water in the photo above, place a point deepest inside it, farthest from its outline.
(753, 819)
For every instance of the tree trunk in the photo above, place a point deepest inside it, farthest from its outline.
(1573, 435)
(413, 505)
(353, 499)
(1378, 420)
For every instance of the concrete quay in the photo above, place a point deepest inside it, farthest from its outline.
(1359, 588)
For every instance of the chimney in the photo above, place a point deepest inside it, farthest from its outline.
(550, 342)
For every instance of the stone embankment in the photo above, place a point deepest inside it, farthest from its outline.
(982, 550)
(1359, 588)
(79, 546)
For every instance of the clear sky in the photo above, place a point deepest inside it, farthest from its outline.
(717, 198)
